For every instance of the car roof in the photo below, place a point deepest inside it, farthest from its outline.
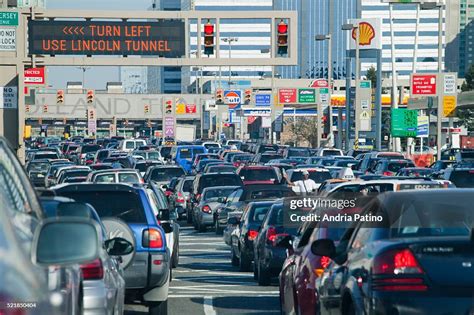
(221, 187)
(87, 186)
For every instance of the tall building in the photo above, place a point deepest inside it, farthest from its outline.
(134, 79)
(459, 35)
(318, 17)
(404, 34)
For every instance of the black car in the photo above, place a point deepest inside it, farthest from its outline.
(246, 233)
(268, 256)
(416, 260)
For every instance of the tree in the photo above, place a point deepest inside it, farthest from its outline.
(306, 128)
(468, 85)
(372, 76)
(466, 118)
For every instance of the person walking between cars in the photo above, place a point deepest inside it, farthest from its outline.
(306, 185)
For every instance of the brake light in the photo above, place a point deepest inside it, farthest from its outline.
(93, 270)
(180, 197)
(168, 193)
(403, 271)
(387, 173)
(152, 238)
(206, 209)
(252, 235)
(325, 261)
(272, 235)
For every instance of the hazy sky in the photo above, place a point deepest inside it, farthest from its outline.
(96, 77)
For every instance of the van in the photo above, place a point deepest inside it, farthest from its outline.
(183, 155)
(131, 144)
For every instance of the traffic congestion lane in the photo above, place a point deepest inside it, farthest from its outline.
(205, 282)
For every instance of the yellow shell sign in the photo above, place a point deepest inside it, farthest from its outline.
(366, 35)
(180, 106)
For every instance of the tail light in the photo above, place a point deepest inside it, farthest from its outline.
(152, 238)
(236, 164)
(180, 197)
(198, 197)
(387, 173)
(93, 270)
(272, 235)
(252, 235)
(323, 264)
(168, 193)
(398, 270)
(206, 209)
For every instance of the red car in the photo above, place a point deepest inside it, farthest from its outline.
(301, 268)
(257, 175)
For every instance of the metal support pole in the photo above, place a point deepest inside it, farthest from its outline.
(415, 56)
(396, 141)
(348, 100)
(440, 70)
(357, 82)
(273, 101)
(378, 103)
(331, 134)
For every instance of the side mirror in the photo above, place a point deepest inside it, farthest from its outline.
(167, 227)
(324, 247)
(233, 221)
(221, 199)
(284, 241)
(53, 239)
(118, 247)
(164, 186)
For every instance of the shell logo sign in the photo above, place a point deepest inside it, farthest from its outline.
(370, 34)
(366, 35)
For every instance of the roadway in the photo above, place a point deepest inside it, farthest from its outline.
(206, 283)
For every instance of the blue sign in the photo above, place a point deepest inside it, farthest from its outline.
(263, 99)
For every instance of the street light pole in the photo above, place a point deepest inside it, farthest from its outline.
(357, 80)
(440, 70)
(230, 40)
(395, 141)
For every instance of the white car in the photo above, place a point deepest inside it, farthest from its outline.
(329, 152)
(129, 145)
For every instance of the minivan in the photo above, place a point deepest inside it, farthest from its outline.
(183, 155)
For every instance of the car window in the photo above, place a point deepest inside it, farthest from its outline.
(185, 153)
(106, 178)
(395, 167)
(213, 194)
(258, 174)
(166, 174)
(129, 145)
(462, 178)
(362, 236)
(259, 213)
(331, 152)
(306, 233)
(219, 180)
(128, 178)
(268, 194)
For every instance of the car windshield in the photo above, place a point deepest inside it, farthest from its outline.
(90, 148)
(128, 178)
(221, 169)
(418, 172)
(124, 205)
(396, 166)
(214, 194)
(40, 156)
(317, 176)
(258, 174)
(258, 213)
(331, 152)
(267, 157)
(269, 194)
(462, 178)
(185, 154)
(220, 180)
(166, 174)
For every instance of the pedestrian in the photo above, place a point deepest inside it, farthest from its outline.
(305, 185)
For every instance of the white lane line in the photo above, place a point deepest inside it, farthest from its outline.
(196, 296)
(203, 250)
(200, 243)
(224, 290)
(217, 273)
(208, 307)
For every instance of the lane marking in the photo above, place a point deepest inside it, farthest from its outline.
(208, 307)
(199, 296)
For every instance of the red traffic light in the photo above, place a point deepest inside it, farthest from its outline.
(209, 28)
(282, 27)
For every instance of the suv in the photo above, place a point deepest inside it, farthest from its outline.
(162, 175)
(461, 177)
(130, 213)
(259, 175)
(391, 167)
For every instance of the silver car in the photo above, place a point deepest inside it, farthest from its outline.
(204, 211)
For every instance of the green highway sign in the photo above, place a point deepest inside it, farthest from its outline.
(9, 18)
(324, 90)
(365, 84)
(404, 122)
(306, 96)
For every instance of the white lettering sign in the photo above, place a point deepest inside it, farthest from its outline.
(7, 39)
(9, 97)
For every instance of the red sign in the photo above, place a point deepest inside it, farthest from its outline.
(251, 119)
(287, 96)
(321, 83)
(423, 84)
(34, 76)
(190, 108)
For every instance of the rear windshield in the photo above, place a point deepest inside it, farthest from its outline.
(222, 169)
(258, 213)
(395, 167)
(467, 155)
(219, 180)
(185, 154)
(211, 145)
(213, 194)
(331, 152)
(38, 166)
(90, 148)
(188, 185)
(258, 174)
(267, 157)
(318, 177)
(166, 174)
(40, 156)
(298, 152)
(142, 167)
(463, 178)
(124, 205)
(269, 194)
(265, 148)
(153, 155)
(238, 158)
(106, 178)
(76, 173)
(128, 178)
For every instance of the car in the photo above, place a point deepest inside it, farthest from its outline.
(127, 211)
(238, 199)
(143, 166)
(202, 164)
(246, 232)
(440, 165)
(211, 144)
(262, 158)
(83, 151)
(162, 174)
(464, 154)
(460, 177)
(291, 152)
(74, 171)
(148, 155)
(329, 152)
(183, 155)
(44, 155)
(180, 197)
(411, 261)
(415, 172)
(255, 174)
(204, 212)
(128, 145)
(268, 257)
(103, 286)
(262, 148)
(202, 181)
(50, 176)
(356, 152)
(122, 175)
(317, 174)
(204, 156)
(220, 168)
(391, 167)
(165, 152)
(241, 158)
(370, 159)
(294, 162)
(37, 170)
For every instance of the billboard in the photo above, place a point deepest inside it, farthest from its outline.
(164, 38)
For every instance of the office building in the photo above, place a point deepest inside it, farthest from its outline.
(134, 79)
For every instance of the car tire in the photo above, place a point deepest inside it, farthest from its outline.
(245, 263)
(202, 228)
(114, 226)
(158, 308)
(233, 260)
(263, 276)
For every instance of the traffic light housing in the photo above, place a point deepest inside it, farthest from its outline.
(219, 96)
(247, 96)
(209, 38)
(148, 123)
(282, 40)
(169, 107)
(60, 97)
(91, 114)
(146, 109)
(45, 108)
(90, 96)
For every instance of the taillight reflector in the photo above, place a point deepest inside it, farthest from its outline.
(93, 270)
